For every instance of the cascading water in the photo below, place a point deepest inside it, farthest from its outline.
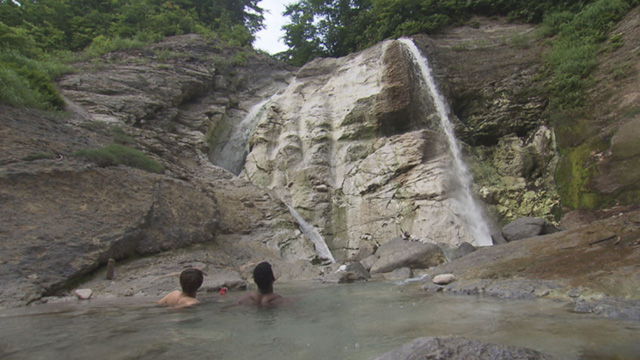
(312, 233)
(234, 152)
(468, 208)
(232, 157)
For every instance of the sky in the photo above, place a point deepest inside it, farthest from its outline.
(269, 39)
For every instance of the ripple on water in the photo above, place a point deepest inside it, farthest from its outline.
(354, 321)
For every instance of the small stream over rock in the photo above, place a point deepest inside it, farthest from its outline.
(232, 151)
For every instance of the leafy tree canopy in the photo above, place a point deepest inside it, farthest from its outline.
(73, 24)
(31, 31)
(338, 27)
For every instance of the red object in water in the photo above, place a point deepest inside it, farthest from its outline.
(223, 291)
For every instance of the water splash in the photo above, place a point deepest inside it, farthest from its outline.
(312, 233)
(233, 154)
(468, 208)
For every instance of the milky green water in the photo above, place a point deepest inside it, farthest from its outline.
(354, 321)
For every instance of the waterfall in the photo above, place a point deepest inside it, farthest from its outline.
(468, 208)
(234, 152)
(312, 233)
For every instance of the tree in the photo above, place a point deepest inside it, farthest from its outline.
(324, 28)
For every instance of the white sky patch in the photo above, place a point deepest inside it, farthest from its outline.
(270, 39)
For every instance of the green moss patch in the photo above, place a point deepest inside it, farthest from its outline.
(116, 154)
(574, 173)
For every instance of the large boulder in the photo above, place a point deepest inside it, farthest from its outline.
(349, 273)
(62, 220)
(527, 227)
(458, 348)
(399, 253)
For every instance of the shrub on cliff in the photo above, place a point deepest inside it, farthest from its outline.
(26, 73)
(35, 32)
(116, 154)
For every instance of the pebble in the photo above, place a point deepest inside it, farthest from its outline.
(83, 294)
(444, 279)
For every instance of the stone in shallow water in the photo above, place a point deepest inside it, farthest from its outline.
(83, 294)
(457, 348)
(399, 274)
(444, 279)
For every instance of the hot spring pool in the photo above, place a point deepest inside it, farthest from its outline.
(354, 321)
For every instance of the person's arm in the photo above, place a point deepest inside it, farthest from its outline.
(164, 300)
(278, 300)
(243, 299)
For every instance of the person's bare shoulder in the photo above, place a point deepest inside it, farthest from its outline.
(187, 301)
(247, 299)
(276, 300)
(171, 299)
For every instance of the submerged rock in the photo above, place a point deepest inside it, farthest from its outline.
(610, 307)
(458, 348)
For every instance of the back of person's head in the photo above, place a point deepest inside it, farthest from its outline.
(191, 280)
(263, 277)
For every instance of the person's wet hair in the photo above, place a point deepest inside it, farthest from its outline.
(191, 280)
(263, 277)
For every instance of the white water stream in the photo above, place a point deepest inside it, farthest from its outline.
(467, 206)
(233, 154)
(312, 233)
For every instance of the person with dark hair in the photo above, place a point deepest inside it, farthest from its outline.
(190, 281)
(264, 297)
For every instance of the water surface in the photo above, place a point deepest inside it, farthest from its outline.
(325, 322)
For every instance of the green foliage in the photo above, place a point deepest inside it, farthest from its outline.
(573, 175)
(37, 31)
(338, 27)
(116, 154)
(28, 82)
(102, 45)
(573, 57)
(39, 156)
(120, 137)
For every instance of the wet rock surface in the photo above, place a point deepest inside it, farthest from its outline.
(595, 267)
(399, 253)
(458, 348)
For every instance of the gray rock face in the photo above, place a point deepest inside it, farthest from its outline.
(352, 272)
(363, 159)
(91, 215)
(62, 218)
(400, 253)
(399, 274)
(457, 348)
(351, 143)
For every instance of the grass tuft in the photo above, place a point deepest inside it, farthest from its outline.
(117, 154)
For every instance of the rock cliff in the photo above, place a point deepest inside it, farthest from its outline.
(356, 146)
(62, 217)
(352, 144)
